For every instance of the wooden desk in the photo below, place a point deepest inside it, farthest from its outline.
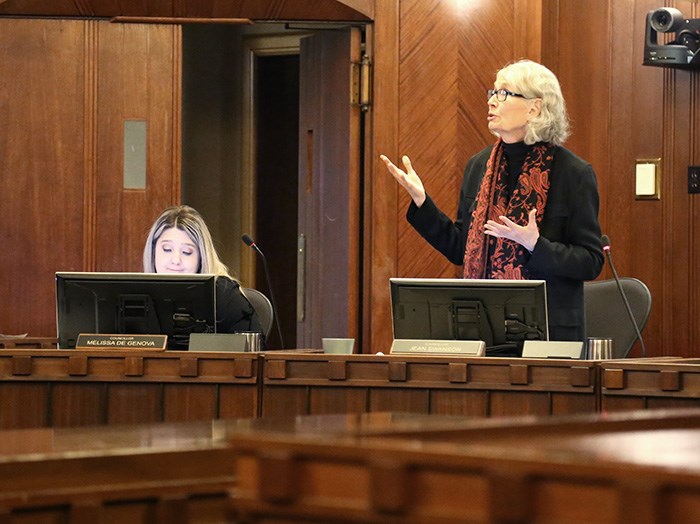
(58, 388)
(650, 384)
(62, 388)
(163, 473)
(297, 384)
(28, 343)
(641, 467)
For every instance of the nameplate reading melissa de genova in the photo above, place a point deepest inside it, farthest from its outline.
(136, 342)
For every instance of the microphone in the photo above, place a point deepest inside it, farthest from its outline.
(251, 243)
(606, 249)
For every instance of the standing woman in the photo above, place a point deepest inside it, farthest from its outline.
(180, 242)
(528, 207)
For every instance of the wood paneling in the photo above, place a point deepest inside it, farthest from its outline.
(308, 384)
(167, 473)
(138, 79)
(24, 405)
(62, 113)
(380, 238)
(650, 113)
(75, 388)
(42, 140)
(259, 9)
(603, 469)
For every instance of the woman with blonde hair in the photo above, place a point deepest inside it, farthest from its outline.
(528, 207)
(179, 242)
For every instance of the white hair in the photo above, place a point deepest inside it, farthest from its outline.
(534, 80)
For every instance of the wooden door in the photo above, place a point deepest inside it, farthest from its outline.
(329, 189)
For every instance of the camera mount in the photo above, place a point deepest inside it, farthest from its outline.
(680, 52)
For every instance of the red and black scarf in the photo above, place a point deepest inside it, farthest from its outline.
(490, 257)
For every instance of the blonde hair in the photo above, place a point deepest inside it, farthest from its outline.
(534, 80)
(186, 219)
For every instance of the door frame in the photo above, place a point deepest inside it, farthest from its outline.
(254, 46)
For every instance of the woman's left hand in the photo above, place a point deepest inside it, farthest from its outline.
(524, 235)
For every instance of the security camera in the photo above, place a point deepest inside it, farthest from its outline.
(683, 51)
(666, 19)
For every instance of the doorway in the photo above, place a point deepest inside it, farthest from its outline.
(241, 163)
(276, 99)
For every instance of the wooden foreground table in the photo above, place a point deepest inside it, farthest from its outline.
(637, 467)
(162, 473)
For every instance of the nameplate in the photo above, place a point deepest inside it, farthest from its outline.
(475, 348)
(137, 342)
(552, 349)
(234, 342)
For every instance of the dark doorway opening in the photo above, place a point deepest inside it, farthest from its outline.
(276, 216)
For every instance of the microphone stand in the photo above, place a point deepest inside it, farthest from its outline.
(249, 242)
(606, 248)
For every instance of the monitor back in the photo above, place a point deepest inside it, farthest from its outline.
(134, 303)
(502, 313)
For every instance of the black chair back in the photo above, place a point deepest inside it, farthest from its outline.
(607, 317)
(262, 306)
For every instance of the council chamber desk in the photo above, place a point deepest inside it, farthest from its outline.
(60, 388)
(299, 384)
(63, 388)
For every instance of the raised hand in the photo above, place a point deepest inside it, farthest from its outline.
(408, 178)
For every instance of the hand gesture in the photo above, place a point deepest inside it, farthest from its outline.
(408, 179)
(526, 236)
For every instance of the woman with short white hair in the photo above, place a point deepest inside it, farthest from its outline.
(528, 207)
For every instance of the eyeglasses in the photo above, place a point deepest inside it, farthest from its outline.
(502, 94)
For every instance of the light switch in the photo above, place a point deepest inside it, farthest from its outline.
(647, 174)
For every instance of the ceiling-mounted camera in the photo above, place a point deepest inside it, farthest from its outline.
(679, 52)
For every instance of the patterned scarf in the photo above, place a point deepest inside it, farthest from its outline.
(490, 257)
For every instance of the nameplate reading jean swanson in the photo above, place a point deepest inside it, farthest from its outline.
(438, 347)
(138, 342)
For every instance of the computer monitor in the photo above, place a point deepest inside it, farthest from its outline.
(134, 303)
(502, 313)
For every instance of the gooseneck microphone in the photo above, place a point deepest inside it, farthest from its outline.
(606, 249)
(251, 243)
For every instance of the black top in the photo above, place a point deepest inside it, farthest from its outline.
(515, 158)
(568, 251)
(234, 314)
(233, 311)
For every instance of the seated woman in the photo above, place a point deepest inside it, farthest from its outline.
(180, 242)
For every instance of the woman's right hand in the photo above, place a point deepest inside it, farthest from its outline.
(408, 179)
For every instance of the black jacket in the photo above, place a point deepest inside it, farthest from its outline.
(569, 249)
(233, 311)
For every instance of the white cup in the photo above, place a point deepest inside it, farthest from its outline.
(338, 346)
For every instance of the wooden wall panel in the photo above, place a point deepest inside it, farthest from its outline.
(42, 142)
(62, 112)
(33, 400)
(258, 9)
(81, 404)
(138, 79)
(651, 113)
(380, 237)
